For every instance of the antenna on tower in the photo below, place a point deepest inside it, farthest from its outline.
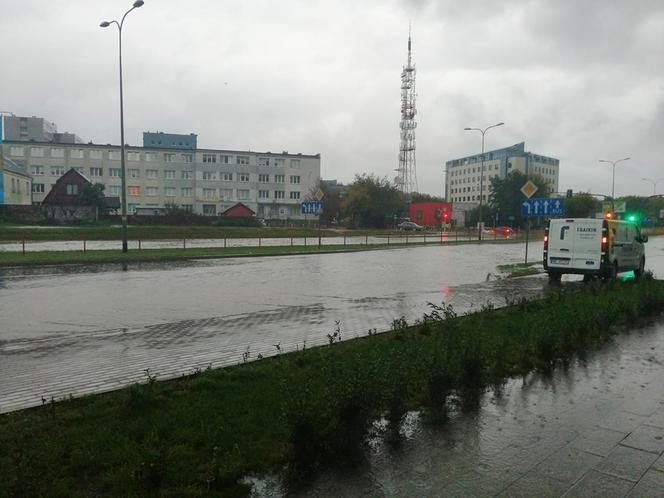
(406, 172)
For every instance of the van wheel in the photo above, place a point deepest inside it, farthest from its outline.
(554, 276)
(638, 273)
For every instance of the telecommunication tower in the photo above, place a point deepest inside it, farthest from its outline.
(406, 179)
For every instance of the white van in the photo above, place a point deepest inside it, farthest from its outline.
(593, 247)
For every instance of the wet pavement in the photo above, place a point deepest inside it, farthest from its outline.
(593, 428)
(84, 329)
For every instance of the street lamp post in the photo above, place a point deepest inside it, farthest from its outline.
(106, 24)
(654, 183)
(613, 180)
(483, 132)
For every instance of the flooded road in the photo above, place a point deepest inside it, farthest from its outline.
(83, 329)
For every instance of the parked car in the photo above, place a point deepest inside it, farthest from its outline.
(409, 225)
(504, 231)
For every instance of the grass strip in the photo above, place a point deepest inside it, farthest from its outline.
(305, 409)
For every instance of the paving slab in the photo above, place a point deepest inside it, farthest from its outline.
(568, 464)
(626, 463)
(598, 440)
(647, 438)
(535, 482)
(596, 484)
(650, 485)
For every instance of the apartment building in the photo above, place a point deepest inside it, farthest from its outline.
(202, 181)
(462, 176)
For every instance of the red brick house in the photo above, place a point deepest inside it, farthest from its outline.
(239, 210)
(67, 189)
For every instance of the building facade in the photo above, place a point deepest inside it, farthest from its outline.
(202, 181)
(463, 175)
(35, 129)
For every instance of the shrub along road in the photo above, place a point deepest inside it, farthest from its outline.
(307, 409)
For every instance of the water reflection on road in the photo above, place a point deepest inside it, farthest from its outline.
(84, 329)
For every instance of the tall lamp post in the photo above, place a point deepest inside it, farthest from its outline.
(106, 24)
(483, 132)
(613, 180)
(654, 183)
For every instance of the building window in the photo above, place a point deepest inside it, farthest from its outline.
(263, 178)
(96, 172)
(279, 178)
(169, 157)
(209, 209)
(263, 194)
(295, 163)
(280, 162)
(57, 153)
(37, 170)
(36, 152)
(151, 191)
(279, 194)
(295, 179)
(242, 195)
(209, 193)
(149, 156)
(151, 174)
(76, 153)
(133, 156)
(242, 159)
(187, 175)
(114, 189)
(186, 192)
(17, 151)
(114, 155)
(243, 177)
(57, 170)
(209, 175)
(72, 189)
(294, 195)
(209, 158)
(37, 188)
(226, 194)
(134, 190)
(186, 158)
(95, 154)
(188, 208)
(225, 159)
(169, 191)
(115, 172)
(263, 161)
(226, 177)
(169, 174)
(133, 173)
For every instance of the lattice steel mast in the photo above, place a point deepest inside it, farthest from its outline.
(406, 173)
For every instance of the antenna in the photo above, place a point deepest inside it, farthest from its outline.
(406, 172)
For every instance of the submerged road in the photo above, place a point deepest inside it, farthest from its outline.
(85, 329)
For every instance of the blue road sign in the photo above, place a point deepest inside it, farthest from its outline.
(312, 207)
(554, 206)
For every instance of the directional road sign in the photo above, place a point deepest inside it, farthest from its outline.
(312, 207)
(554, 206)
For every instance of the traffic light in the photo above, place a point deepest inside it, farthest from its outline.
(569, 193)
(632, 217)
(446, 216)
(609, 215)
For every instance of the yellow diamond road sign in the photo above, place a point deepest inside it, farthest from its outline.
(529, 189)
(319, 195)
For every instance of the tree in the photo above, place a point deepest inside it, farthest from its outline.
(582, 205)
(505, 196)
(372, 202)
(331, 202)
(418, 197)
(92, 195)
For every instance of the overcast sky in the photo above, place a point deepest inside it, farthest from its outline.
(579, 80)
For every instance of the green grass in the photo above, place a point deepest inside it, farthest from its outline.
(305, 409)
(519, 269)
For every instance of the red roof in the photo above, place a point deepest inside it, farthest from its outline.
(239, 210)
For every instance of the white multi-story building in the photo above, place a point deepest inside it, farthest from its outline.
(202, 181)
(462, 176)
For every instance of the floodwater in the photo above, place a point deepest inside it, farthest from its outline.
(83, 329)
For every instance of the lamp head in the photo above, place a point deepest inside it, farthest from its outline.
(500, 124)
(467, 129)
(105, 24)
(138, 3)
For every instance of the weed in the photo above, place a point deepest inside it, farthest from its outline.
(336, 335)
(246, 355)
